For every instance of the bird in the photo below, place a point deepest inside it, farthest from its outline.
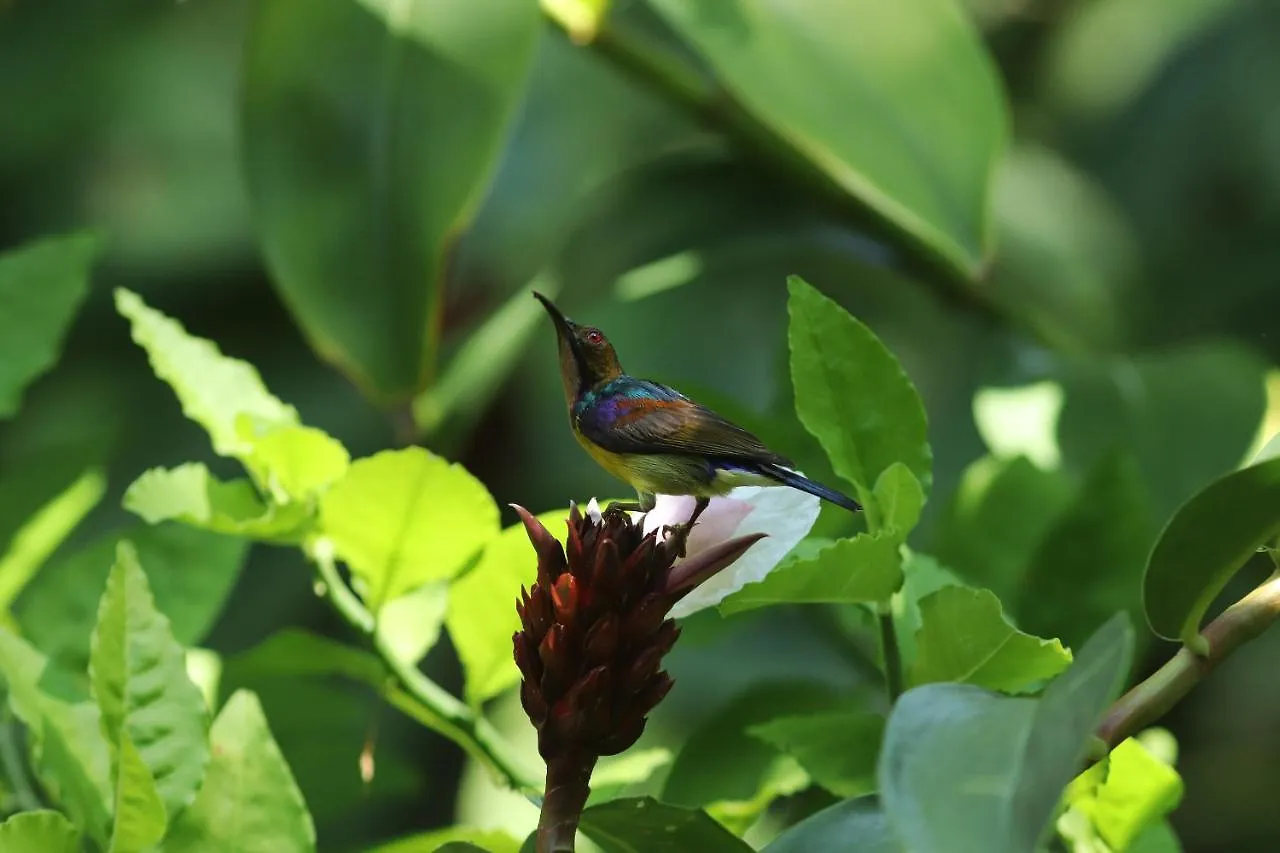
(657, 440)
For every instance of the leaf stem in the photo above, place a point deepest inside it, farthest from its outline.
(1151, 699)
(15, 768)
(892, 656)
(416, 695)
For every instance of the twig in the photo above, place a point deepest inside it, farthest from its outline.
(1151, 699)
(418, 696)
(892, 656)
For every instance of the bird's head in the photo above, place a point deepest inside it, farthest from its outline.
(586, 356)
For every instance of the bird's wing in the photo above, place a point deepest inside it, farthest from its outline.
(645, 417)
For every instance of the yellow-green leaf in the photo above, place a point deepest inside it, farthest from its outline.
(41, 831)
(299, 461)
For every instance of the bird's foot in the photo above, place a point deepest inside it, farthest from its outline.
(622, 507)
(681, 531)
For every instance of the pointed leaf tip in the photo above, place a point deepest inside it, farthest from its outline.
(693, 571)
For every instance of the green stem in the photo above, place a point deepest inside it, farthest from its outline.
(1151, 699)
(419, 697)
(15, 768)
(892, 656)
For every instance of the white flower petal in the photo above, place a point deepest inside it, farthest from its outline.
(593, 510)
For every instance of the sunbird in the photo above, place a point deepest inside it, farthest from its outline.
(655, 439)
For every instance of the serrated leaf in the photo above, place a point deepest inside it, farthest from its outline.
(489, 840)
(214, 390)
(140, 818)
(965, 638)
(866, 568)
(853, 826)
(899, 500)
(967, 770)
(40, 831)
(403, 518)
(191, 495)
(360, 198)
(851, 393)
(838, 749)
(1130, 792)
(298, 461)
(1205, 543)
(138, 675)
(294, 651)
(42, 285)
(250, 801)
(644, 825)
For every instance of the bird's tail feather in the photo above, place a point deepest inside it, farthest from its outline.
(797, 481)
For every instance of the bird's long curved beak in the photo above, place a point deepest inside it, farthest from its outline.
(564, 327)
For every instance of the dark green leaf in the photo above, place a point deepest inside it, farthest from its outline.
(853, 826)
(249, 802)
(363, 170)
(965, 770)
(41, 287)
(933, 118)
(964, 637)
(838, 749)
(852, 394)
(149, 705)
(39, 832)
(1205, 544)
(644, 825)
(295, 651)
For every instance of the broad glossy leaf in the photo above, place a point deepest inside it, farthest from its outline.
(852, 394)
(70, 754)
(838, 749)
(853, 826)
(964, 637)
(644, 825)
(140, 818)
(1125, 795)
(41, 831)
(966, 770)
(249, 802)
(215, 390)
(295, 651)
(489, 840)
(191, 573)
(1205, 543)
(364, 170)
(865, 568)
(138, 674)
(921, 121)
(42, 285)
(899, 499)
(299, 461)
(404, 518)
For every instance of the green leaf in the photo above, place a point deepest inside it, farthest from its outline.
(215, 390)
(644, 825)
(360, 197)
(932, 121)
(1127, 794)
(193, 496)
(851, 393)
(838, 749)
(191, 574)
(615, 774)
(853, 826)
(964, 769)
(899, 500)
(41, 831)
(249, 802)
(1205, 543)
(964, 637)
(139, 679)
(40, 536)
(299, 461)
(294, 651)
(70, 754)
(430, 842)
(42, 285)
(481, 612)
(410, 625)
(404, 518)
(140, 816)
(865, 568)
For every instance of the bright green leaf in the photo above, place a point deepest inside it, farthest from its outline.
(838, 749)
(1131, 791)
(41, 535)
(1205, 543)
(214, 390)
(853, 826)
(580, 18)
(966, 770)
(40, 831)
(404, 518)
(191, 573)
(865, 568)
(644, 825)
(139, 678)
(299, 461)
(360, 198)
(432, 842)
(249, 802)
(615, 774)
(899, 500)
(191, 495)
(482, 613)
(964, 637)
(294, 651)
(410, 624)
(852, 394)
(140, 816)
(932, 122)
(42, 285)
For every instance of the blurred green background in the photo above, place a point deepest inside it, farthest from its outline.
(1137, 271)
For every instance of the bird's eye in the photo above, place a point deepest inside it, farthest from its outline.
(594, 336)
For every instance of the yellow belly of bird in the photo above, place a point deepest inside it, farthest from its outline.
(665, 474)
